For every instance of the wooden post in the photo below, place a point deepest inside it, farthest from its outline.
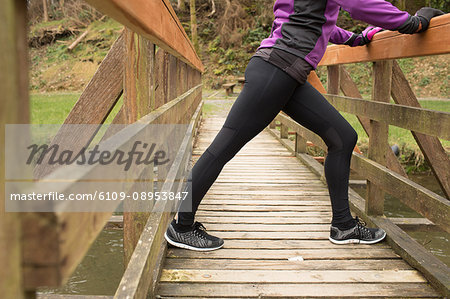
(139, 63)
(284, 131)
(333, 79)
(273, 124)
(300, 144)
(14, 108)
(172, 77)
(379, 131)
(138, 101)
(182, 77)
(161, 77)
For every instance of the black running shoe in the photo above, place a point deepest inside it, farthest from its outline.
(196, 239)
(358, 234)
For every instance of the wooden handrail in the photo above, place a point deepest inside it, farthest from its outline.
(71, 246)
(143, 270)
(393, 45)
(426, 121)
(156, 21)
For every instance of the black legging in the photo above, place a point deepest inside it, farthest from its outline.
(267, 91)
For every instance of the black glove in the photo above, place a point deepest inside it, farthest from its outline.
(426, 14)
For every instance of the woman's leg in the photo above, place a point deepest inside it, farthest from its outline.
(266, 91)
(310, 109)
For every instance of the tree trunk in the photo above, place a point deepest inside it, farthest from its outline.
(181, 5)
(44, 4)
(194, 26)
(61, 5)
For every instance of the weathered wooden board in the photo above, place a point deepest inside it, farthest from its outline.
(280, 254)
(291, 276)
(294, 244)
(264, 214)
(268, 227)
(268, 220)
(280, 290)
(271, 192)
(102, 91)
(93, 107)
(333, 83)
(379, 132)
(14, 109)
(211, 207)
(138, 101)
(349, 264)
(268, 202)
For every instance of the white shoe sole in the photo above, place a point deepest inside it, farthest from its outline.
(356, 241)
(185, 246)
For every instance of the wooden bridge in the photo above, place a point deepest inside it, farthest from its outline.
(270, 203)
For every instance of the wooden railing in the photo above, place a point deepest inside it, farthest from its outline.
(154, 66)
(381, 168)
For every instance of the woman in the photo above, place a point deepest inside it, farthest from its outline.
(275, 80)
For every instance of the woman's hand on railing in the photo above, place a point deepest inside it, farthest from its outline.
(426, 14)
(420, 21)
(364, 37)
(368, 33)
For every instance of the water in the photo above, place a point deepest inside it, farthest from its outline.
(437, 242)
(101, 269)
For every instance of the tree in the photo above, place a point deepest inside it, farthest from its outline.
(44, 4)
(194, 35)
(61, 4)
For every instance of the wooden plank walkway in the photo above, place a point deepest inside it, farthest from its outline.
(274, 215)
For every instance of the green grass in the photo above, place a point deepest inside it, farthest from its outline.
(43, 25)
(53, 108)
(436, 105)
(207, 109)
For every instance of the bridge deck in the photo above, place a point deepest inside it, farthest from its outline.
(274, 215)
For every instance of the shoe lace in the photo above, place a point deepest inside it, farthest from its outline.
(361, 225)
(200, 230)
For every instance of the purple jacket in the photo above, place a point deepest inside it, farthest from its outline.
(304, 27)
